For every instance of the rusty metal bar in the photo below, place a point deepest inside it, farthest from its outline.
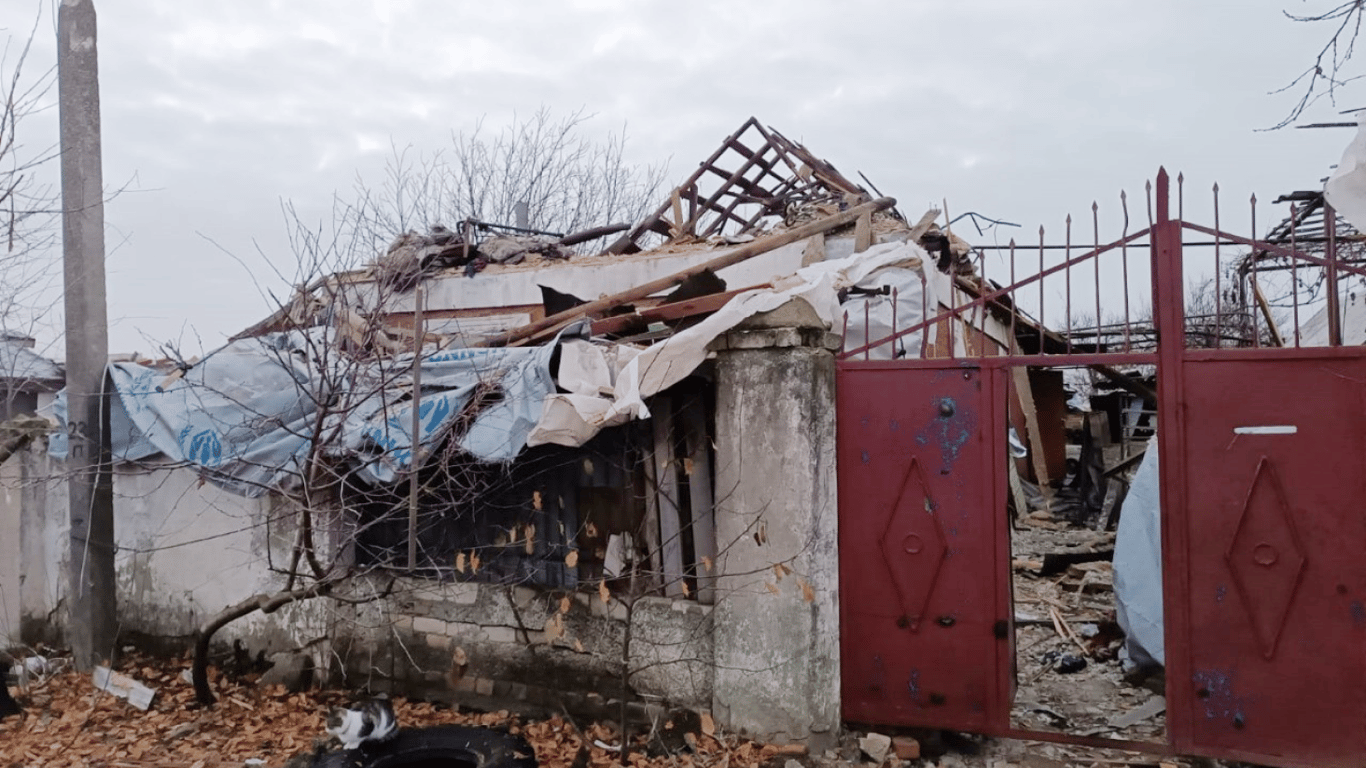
(1124, 257)
(1218, 289)
(1043, 321)
(998, 293)
(1272, 248)
(1067, 290)
(1294, 275)
(1252, 279)
(1008, 361)
(1330, 225)
(1095, 240)
(1010, 342)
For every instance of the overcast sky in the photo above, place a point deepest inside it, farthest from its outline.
(215, 113)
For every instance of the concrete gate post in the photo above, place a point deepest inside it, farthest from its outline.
(777, 675)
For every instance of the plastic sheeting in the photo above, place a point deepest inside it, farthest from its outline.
(877, 316)
(572, 418)
(1138, 565)
(246, 416)
(1346, 187)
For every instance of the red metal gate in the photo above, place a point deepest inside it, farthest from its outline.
(931, 630)
(1264, 581)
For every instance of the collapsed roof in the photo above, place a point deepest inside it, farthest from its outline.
(465, 338)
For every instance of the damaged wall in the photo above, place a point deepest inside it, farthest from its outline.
(491, 645)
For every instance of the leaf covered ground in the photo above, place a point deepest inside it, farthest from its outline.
(68, 722)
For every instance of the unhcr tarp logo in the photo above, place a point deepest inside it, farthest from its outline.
(202, 447)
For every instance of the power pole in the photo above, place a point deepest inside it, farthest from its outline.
(91, 625)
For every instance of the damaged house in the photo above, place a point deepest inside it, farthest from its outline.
(490, 465)
(777, 452)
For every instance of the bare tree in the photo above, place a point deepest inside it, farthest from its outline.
(1326, 74)
(542, 173)
(28, 200)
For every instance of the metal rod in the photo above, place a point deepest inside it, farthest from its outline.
(1252, 277)
(1218, 289)
(1330, 223)
(1043, 322)
(1124, 258)
(1095, 232)
(414, 456)
(892, 352)
(1067, 291)
(1294, 276)
(1010, 342)
(867, 328)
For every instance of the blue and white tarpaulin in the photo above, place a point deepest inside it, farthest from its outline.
(246, 416)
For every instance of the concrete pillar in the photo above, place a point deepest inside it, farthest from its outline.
(777, 674)
(91, 568)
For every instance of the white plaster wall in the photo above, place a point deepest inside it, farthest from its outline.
(11, 510)
(598, 276)
(188, 549)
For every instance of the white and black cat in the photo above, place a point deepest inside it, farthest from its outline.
(371, 720)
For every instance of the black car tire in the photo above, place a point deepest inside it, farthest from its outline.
(441, 746)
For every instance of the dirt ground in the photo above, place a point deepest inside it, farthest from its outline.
(67, 722)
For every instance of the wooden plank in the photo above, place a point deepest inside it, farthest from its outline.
(675, 311)
(698, 470)
(666, 491)
(677, 199)
(863, 233)
(1019, 376)
(814, 251)
(743, 253)
(1266, 313)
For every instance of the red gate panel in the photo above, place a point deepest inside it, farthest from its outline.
(924, 565)
(1267, 629)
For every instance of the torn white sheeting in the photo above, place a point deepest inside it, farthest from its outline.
(124, 687)
(1138, 565)
(570, 419)
(1346, 187)
(872, 317)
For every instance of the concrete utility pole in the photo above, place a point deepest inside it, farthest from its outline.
(91, 627)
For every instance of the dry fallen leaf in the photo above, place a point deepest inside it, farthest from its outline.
(474, 562)
(572, 559)
(578, 646)
(590, 530)
(554, 629)
(459, 658)
(706, 563)
(603, 592)
(530, 539)
(808, 594)
(687, 466)
(771, 587)
(460, 562)
(536, 500)
(684, 584)
(708, 724)
(564, 604)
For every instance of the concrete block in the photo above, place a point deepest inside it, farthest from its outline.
(500, 634)
(483, 686)
(440, 642)
(429, 625)
(876, 746)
